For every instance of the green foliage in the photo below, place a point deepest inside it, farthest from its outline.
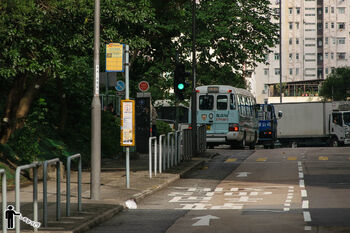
(337, 85)
(163, 127)
(110, 140)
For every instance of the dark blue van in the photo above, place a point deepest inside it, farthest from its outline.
(267, 125)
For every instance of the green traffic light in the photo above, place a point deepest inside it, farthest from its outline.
(180, 86)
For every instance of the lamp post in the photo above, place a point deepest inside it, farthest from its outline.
(194, 63)
(96, 113)
(280, 15)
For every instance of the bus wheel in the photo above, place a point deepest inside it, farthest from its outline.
(334, 142)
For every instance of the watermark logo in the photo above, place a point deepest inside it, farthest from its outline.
(10, 214)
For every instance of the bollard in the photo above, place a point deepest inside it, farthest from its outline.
(35, 192)
(3, 199)
(150, 155)
(58, 189)
(68, 183)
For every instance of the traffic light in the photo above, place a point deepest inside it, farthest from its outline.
(180, 84)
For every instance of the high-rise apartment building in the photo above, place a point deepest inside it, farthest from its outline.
(315, 40)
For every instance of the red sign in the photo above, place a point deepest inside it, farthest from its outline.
(143, 86)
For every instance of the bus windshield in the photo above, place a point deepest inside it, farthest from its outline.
(206, 102)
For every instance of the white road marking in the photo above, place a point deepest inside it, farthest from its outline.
(305, 204)
(210, 194)
(299, 163)
(286, 204)
(301, 183)
(307, 228)
(267, 193)
(288, 201)
(301, 175)
(289, 197)
(242, 193)
(218, 190)
(207, 189)
(303, 193)
(175, 199)
(307, 216)
(204, 220)
(253, 193)
(234, 189)
(228, 194)
(242, 174)
(244, 199)
(285, 209)
(192, 189)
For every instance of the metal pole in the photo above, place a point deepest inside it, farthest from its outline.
(193, 102)
(96, 113)
(280, 15)
(68, 188)
(4, 200)
(18, 198)
(127, 97)
(35, 195)
(45, 194)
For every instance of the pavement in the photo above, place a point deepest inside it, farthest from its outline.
(113, 193)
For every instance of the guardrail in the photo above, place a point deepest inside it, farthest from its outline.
(69, 159)
(35, 192)
(150, 156)
(3, 198)
(58, 189)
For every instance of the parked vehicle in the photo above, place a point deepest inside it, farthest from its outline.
(314, 123)
(267, 125)
(229, 114)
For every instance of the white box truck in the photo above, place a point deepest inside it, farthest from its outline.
(313, 123)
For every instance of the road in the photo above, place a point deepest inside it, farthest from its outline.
(289, 190)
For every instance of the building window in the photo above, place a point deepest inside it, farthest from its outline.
(340, 56)
(341, 10)
(290, 41)
(297, 56)
(297, 25)
(298, 10)
(266, 71)
(296, 71)
(297, 40)
(332, 25)
(326, 10)
(326, 40)
(341, 40)
(326, 25)
(326, 55)
(290, 56)
(332, 10)
(266, 57)
(341, 25)
(326, 70)
(290, 25)
(332, 56)
(277, 71)
(277, 56)
(291, 71)
(290, 10)
(320, 57)
(320, 42)
(333, 39)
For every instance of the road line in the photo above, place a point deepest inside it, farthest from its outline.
(307, 216)
(299, 163)
(231, 160)
(263, 159)
(218, 190)
(207, 189)
(234, 189)
(228, 194)
(307, 228)
(292, 158)
(301, 175)
(210, 194)
(301, 183)
(305, 204)
(303, 193)
(322, 158)
(285, 209)
(286, 204)
(253, 193)
(242, 193)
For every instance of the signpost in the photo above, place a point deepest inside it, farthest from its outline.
(127, 133)
(114, 57)
(120, 86)
(143, 86)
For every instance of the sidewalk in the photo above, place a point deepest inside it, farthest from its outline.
(113, 193)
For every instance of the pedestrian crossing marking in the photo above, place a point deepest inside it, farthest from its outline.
(292, 158)
(231, 160)
(322, 158)
(263, 159)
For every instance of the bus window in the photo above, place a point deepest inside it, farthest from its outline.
(250, 110)
(242, 105)
(206, 102)
(239, 104)
(221, 102)
(232, 102)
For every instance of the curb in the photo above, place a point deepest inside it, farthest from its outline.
(139, 196)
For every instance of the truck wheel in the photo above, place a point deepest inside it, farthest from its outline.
(266, 146)
(334, 142)
(210, 145)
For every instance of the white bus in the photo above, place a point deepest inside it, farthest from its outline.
(229, 114)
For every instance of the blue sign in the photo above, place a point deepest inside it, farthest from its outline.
(120, 85)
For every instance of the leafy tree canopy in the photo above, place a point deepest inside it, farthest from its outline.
(337, 85)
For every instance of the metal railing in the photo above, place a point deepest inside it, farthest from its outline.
(187, 144)
(170, 149)
(177, 157)
(3, 198)
(161, 153)
(201, 138)
(35, 192)
(58, 189)
(69, 159)
(150, 155)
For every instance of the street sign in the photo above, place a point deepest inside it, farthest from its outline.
(143, 86)
(114, 57)
(127, 132)
(120, 85)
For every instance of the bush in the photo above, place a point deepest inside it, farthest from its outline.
(163, 127)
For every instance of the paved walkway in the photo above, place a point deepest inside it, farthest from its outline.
(113, 192)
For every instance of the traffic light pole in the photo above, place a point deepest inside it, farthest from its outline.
(194, 96)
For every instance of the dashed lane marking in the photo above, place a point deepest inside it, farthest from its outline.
(322, 158)
(231, 160)
(263, 159)
(292, 158)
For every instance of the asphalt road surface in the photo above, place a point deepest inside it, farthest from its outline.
(286, 190)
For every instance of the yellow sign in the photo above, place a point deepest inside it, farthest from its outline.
(114, 57)
(127, 123)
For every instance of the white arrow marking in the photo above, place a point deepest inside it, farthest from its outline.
(242, 174)
(204, 220)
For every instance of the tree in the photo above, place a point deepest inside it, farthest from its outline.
(337, 85)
